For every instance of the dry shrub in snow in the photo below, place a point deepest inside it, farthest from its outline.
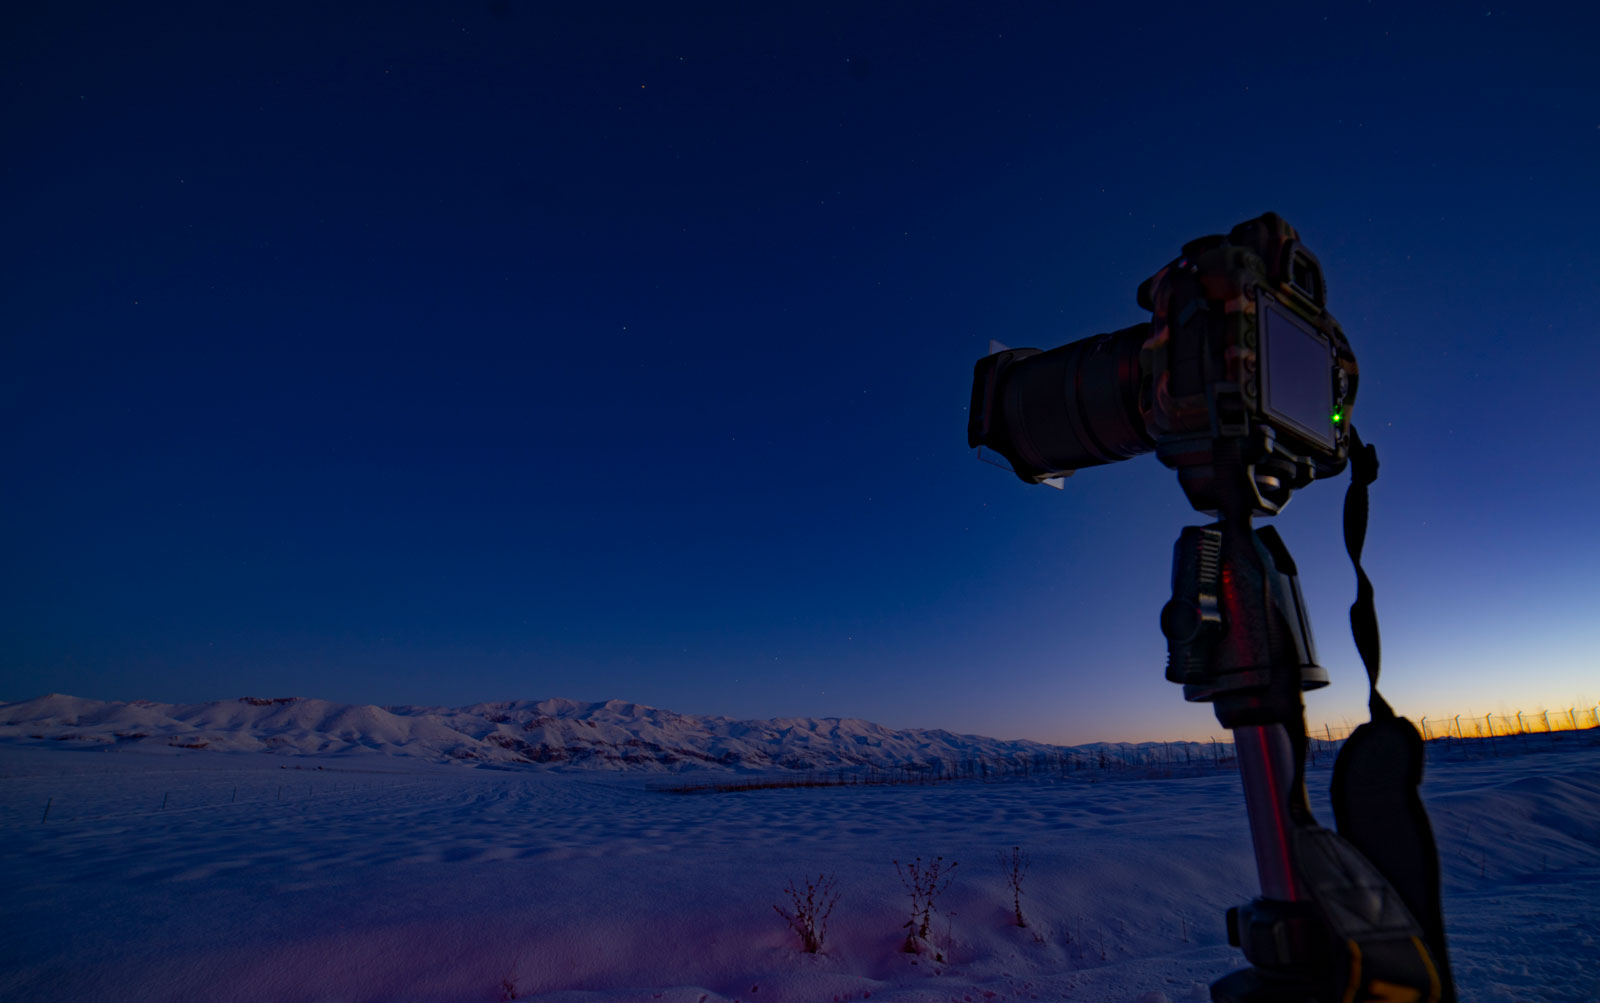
(809, 916)
(1016, 866)
(923, 884)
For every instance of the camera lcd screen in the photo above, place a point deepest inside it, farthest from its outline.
(1297, 371)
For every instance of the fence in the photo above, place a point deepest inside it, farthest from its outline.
(1462, 736)
(1464, 726)
(1471, 735)
(1436, 728)
(1459, 736)
(921, 773)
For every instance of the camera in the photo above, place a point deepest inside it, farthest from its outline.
(1240, 365)
(1242, 382)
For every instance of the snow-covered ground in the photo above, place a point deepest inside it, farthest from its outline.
(180, 874)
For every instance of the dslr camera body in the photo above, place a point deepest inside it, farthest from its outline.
(1240, 366)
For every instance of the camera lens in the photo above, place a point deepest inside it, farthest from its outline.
(1078, 405)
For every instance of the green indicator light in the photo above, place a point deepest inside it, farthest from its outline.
(1338, 416)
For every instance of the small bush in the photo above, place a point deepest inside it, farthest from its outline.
(809, 914)
(924, 883)
(1016, 867)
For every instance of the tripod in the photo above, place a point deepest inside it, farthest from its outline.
(1328, 925)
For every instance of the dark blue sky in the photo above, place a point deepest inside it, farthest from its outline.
(439, 353)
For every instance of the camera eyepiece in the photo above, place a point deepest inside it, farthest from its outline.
(1303, 274)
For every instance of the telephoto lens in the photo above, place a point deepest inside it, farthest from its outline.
(1050, 413)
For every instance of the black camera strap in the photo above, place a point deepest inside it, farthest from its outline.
(1378, 772)
(1363, 614)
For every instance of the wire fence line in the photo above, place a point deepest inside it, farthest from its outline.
(1460, 736)
(1448, 728)
(1464, 726)
(1467, 736)
(1455, 737)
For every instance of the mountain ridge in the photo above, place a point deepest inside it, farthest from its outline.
(554, 733)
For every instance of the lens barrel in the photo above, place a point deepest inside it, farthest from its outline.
(1071, 407)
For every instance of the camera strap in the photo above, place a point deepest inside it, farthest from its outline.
(1363, 614)
(1378, 772)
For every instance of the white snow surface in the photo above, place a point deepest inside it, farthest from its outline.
(150, 873)
(615, 734)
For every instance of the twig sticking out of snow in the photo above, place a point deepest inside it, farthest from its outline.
(923, 884)
(1016, 867)
(809, 917)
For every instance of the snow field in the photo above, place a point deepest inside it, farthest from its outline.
(383, 879)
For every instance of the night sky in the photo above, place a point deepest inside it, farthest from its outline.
(440, 353)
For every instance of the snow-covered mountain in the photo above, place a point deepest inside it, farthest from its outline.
(552, 733)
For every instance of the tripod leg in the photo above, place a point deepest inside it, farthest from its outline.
(1267, 770)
